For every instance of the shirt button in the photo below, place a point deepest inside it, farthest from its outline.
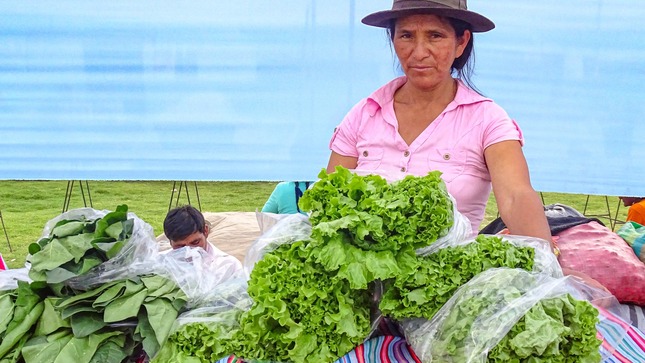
(446, 156)
(403, 170)
(365, 153)
(406, 153)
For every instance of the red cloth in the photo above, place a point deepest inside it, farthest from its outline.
(3, 265)
(597, 251)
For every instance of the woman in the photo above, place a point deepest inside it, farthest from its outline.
(428, 120)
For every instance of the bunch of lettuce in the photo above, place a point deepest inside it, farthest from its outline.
(204, 340)
(376, 215)
(436, 277)
(561, 329)
(554, 329)
(301, 312)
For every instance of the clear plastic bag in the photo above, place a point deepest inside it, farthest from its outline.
(140, 248)
(545, 261)
(199, 273)
(211, 331)
(500, 297)
(9, 278)
(291, 228)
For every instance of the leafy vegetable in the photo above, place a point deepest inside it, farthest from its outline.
(74, 247)
(205, 340)
(300, 312)
(436, 277)
(555, 329)
(28, 308)
(376, 215)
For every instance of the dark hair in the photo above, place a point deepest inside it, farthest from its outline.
(463, 66)
(183, 221)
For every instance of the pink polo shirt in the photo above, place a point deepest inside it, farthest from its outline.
(453, 143)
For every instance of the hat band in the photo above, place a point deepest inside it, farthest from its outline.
(447, 4)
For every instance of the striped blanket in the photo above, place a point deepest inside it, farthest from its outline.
(622, 343)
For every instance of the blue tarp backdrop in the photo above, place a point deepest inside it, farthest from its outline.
(252, 89)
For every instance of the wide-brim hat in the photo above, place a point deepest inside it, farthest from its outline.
(449, 8)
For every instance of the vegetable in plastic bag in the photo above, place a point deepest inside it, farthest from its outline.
(506, 315)
(437, 276)
(290, 228)
(86, 246)
(206, 334)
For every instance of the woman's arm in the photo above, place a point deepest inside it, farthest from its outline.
(336, 159)
(518, 204)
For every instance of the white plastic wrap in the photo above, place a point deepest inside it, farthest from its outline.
(227, 297)
(291, 228)
(9, 278)
(199, 273)
(510, 294)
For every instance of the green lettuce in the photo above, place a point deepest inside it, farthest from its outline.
(436, 277)
(300, 312)
(376, 215)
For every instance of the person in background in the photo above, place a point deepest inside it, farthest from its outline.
(433, 118)
(284, 198)
(636, 212)
(186, 226)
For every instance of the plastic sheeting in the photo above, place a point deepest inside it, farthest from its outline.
(252, 90)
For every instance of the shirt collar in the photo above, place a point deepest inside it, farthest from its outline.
(385, 95)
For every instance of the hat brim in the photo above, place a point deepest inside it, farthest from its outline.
(478, 23)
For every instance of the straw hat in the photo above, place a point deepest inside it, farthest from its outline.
(449, 8)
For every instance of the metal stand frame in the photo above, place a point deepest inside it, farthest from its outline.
(184, 185)
(68, 194)
(613, 220)
(5, 232)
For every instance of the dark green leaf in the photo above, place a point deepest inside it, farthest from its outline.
(124, 307)
(50, 257)
(86, 323)
(50, 320)
(44, 349)
(68, 228)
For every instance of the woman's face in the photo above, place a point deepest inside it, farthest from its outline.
(426, 46)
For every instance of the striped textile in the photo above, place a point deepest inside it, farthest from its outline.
(633, 314)
(622, 342)
(383, 349)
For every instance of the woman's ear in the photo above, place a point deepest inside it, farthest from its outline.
(462, 42)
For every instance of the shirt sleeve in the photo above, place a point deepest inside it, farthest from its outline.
(344, 139)
(271, 205)
(500, 127)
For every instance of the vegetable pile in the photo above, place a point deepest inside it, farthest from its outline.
(312, 299)
(50, 321)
